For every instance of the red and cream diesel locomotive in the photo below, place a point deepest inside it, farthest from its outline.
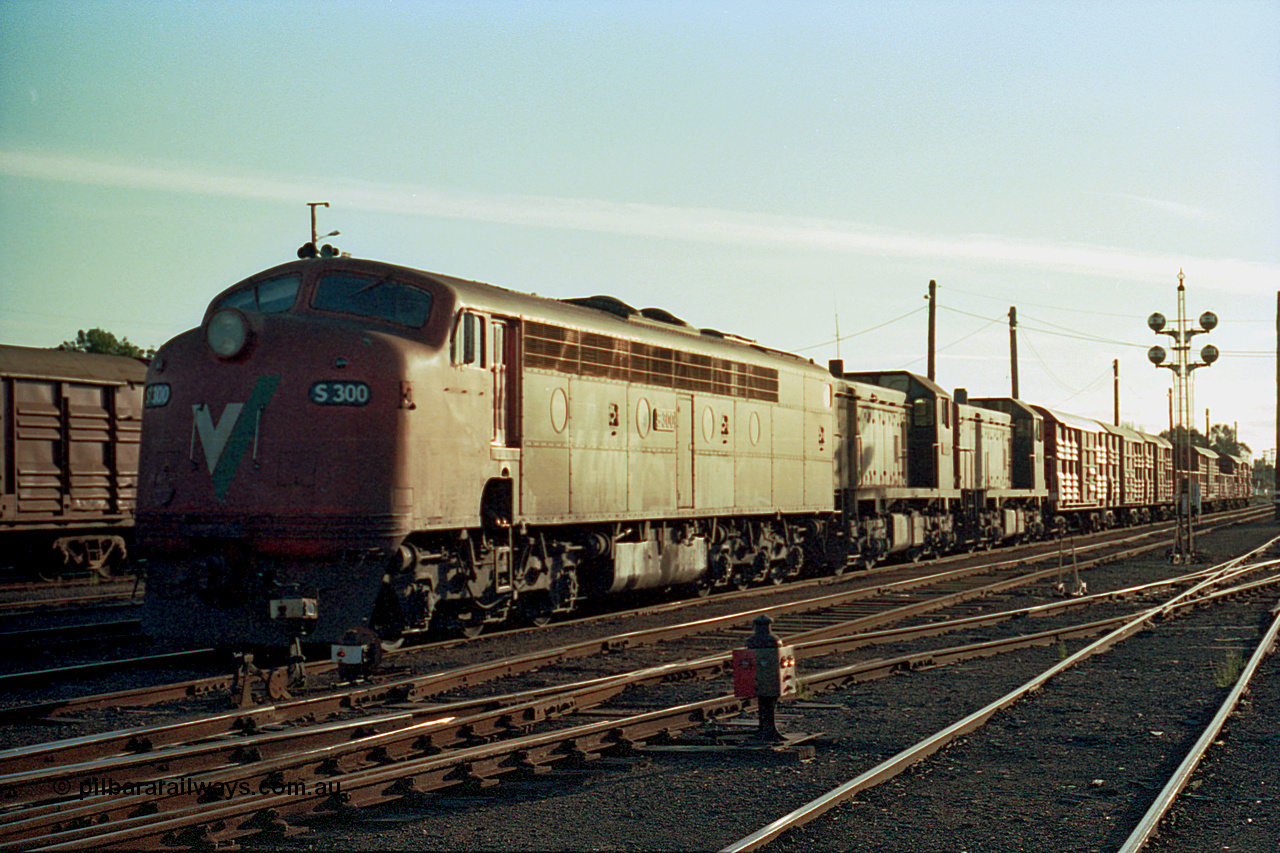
(349, 451)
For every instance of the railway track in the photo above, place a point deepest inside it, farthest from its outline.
(43, 598)
(465, 743)
(1223, 582)
(1065, 554)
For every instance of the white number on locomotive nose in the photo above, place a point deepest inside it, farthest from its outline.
(340, 393)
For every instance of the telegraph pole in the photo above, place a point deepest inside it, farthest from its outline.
(1013, 348)
(933, 318)
(1115, 369)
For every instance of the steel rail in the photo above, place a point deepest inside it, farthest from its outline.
(211, 823)
(40, 605)
(527, 707)
(205, 686)
(1146, 828)
(92, 747)
(34, 824)
(897, 763)
(65, 634)
(53, 675)
(474, 765)
(379, 739)
(419, 687)
(383, 747)
(313, 707)
(414, 688)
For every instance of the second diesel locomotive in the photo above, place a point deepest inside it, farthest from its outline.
(350, 451)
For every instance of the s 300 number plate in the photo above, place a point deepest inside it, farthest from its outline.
(333, 393)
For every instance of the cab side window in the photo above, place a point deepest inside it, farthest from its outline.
(922, 412)
(468, 340)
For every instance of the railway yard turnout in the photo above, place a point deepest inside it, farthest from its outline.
(1079, 695)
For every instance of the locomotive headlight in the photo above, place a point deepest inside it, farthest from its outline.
(227, 333)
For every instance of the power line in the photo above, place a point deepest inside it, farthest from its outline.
(862, 332)
(1039, 304)
(1044, 366)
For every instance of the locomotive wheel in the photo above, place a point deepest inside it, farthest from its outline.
(467, 623)
(535, 610)
(388, 621)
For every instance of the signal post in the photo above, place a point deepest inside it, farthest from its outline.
(1184, 548)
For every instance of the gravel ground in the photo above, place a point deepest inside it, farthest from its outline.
(1071, 768)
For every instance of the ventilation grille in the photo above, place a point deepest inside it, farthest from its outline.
(589, 354)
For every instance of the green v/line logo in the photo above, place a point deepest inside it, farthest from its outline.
(225, 444)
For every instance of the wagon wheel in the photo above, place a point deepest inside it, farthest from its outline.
(49, 570)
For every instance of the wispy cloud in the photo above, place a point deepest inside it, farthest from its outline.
(675, 223)
(1177, 209)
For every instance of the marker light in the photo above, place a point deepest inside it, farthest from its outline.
(1208, 320)
(1156, 321)
(1209, 353)
(227, 333)
(1156, 355)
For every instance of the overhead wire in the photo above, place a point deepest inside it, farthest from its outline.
(861, 332)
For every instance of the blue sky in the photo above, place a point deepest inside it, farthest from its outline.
(762, 168)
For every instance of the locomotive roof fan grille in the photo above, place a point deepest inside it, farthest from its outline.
(227, 333)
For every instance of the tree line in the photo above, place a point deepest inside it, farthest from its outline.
(105, 343)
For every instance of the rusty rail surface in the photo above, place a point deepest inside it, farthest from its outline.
(331, 750)
(419, 687)
(155, 694)
(401, 763)
(894, 765)
(1146, 828)
(509, 719)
